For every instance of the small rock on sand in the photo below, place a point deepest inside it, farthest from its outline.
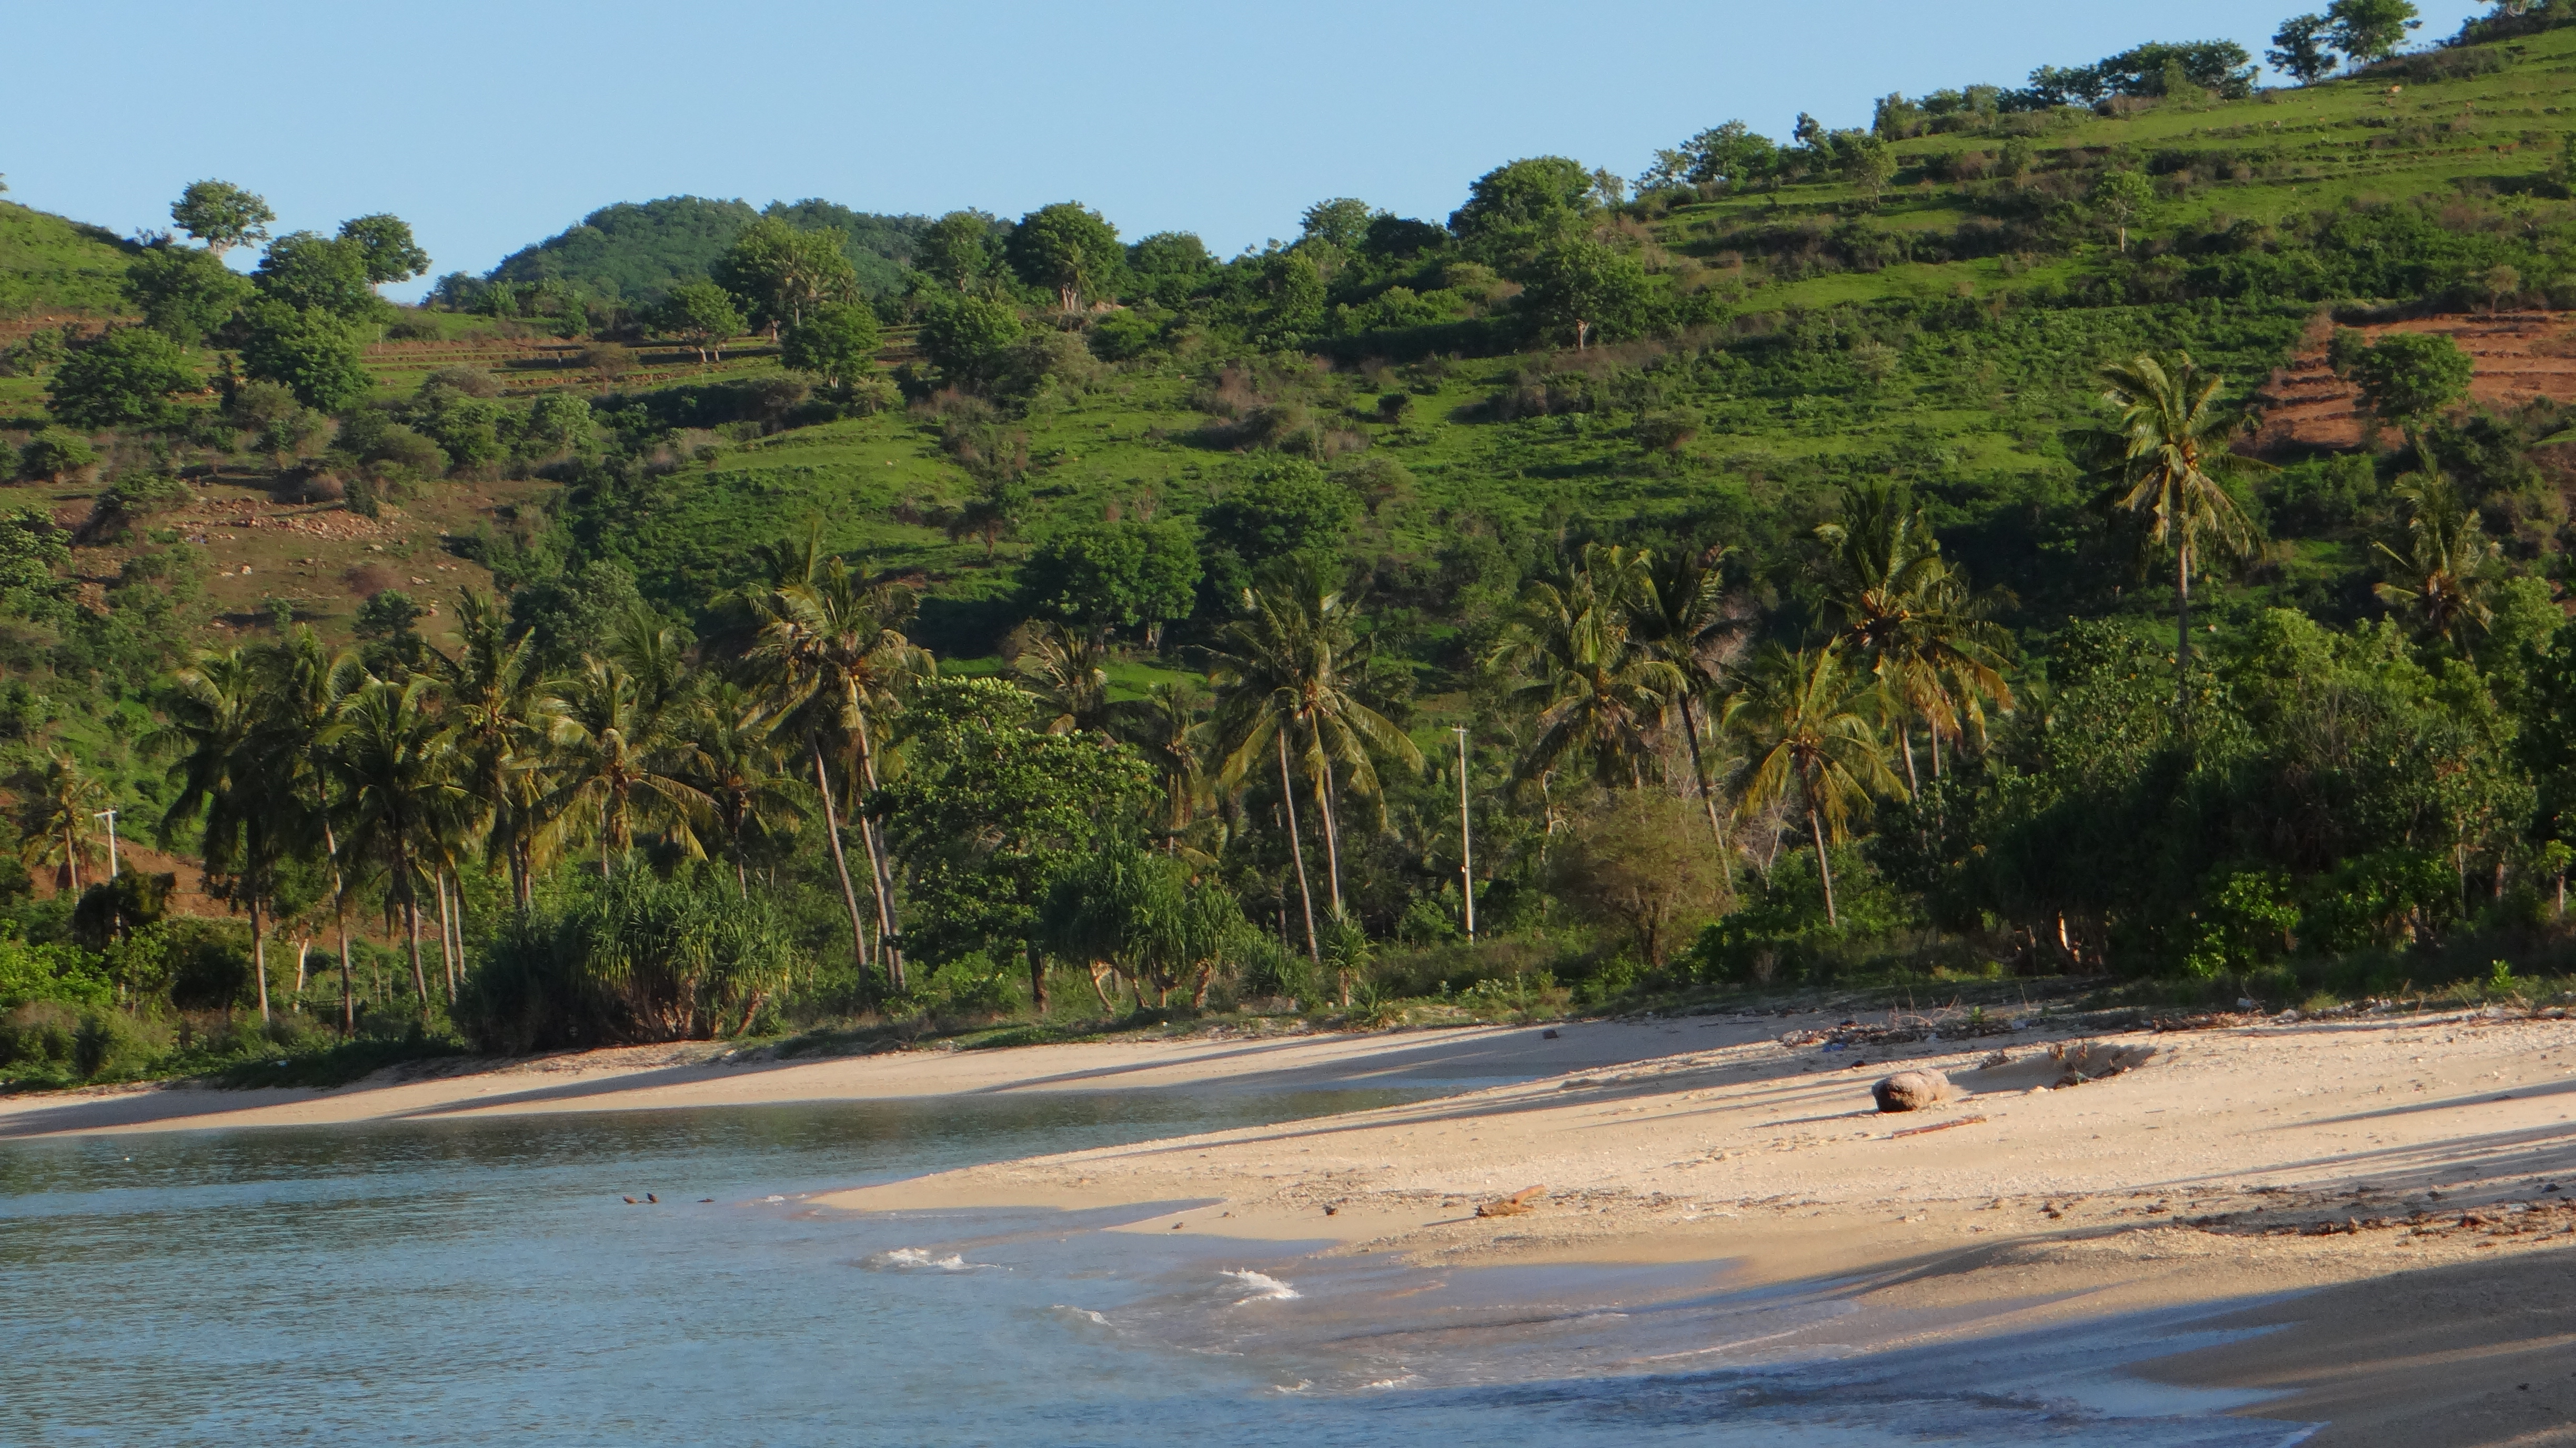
(1911, 1090)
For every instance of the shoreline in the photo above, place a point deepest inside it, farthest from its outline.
(2385, 1204)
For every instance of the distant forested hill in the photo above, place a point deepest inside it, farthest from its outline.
(49, 264)
(634, 252)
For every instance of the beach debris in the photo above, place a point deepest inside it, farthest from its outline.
(1936, 1126)
(1331, 1210)
(630, 1201)
(2093, 1061)
(1548, 1034)
(1910, 1090)
(657, 1201)
(1511, 1206)
(1176, 1226)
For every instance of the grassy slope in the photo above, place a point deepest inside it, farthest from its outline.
(54, 267)
(1976, 428)
(2318, 146)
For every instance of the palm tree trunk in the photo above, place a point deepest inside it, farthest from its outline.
(1296, 849)
(340, 914)
(71, 857)
(840, 861)
(446, 955)
(411, 927)
(1905, 737)
(1824, 866)
(460, 932)
(1707, 794)
(880, 874)
(2182, 635)
(259, 955)
(1332, 840)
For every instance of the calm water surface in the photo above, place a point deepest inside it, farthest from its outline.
(480, 1281)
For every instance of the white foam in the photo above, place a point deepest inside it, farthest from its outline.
(1085, 1313)
(913, 1258)
(1265, 1288)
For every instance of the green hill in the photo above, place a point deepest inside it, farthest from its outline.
(1946, 334)
(49, 265)
(634, 252)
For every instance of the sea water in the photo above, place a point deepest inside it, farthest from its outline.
(482, 1281)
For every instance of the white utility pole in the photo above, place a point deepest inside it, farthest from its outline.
(1466, 846)
(109, 815)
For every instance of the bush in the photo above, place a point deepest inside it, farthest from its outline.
(632, 959)
(608, 359)
(53, 454)
(39, 1033)
(111, 1045)
(125, 378)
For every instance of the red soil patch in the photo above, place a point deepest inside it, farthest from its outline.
(2520, 357)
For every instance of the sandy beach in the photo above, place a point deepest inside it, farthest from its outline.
(2391, 1197)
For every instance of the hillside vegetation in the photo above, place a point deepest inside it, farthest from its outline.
(51, 266)
(2110, 526)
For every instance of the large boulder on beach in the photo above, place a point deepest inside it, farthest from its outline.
(1911, 1090)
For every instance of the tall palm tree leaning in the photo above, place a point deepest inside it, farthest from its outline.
(1812, 747)
(830, 651)
(2171, 466)
(1288, 681)
(1685, 618)
(1909, 612)
(1596, 688)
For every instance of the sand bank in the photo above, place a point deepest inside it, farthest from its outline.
(2403, 1177)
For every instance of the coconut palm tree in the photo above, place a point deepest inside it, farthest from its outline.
(1595, 688)
(2170, 466)
(614, 764)
(1909, 612)
(62, 802)
(1290, 675)
(1684, 617)
(400, 789)
(831, 658)
(732, 758)
(215, 710)
(1170, 726)
(501, 712)
(1802, 716)
(2441, 575)
(307, 686)
(1064, 668)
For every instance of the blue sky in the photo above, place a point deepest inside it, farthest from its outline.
(492, 125)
